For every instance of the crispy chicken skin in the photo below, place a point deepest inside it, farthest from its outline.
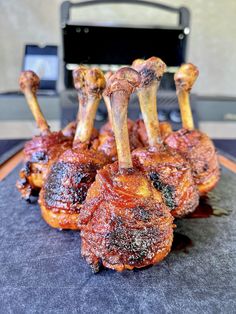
(39, 154)
(168, 171)
(42, 150)
(137, 136)
(194, 145)
(70, 128)
(67, 184)
(74, 171)
(107, 142)
(171, 175)
(197, 148)
(139, 131)
(124, 222)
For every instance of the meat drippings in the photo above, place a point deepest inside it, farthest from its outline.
(207, 208)
(181, 242)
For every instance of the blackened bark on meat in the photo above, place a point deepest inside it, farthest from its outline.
(69, 180)
(166, 190)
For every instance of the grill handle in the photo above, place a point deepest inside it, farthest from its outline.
(184, 13)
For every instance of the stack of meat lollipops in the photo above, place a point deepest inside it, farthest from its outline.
(124, 208)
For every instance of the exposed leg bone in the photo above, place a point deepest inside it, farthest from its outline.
(29, 83)
(107, 98)
(184, 80)
(78, 79)
(119, 88)
(151, 72)
(91, 83)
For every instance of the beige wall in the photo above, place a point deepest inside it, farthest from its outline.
(212, 43)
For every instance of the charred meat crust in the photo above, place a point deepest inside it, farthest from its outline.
(69, 179)
(199, 151)
(140, 133)
(171, 175)
(43, 145)
(39, 153)
(133, 232)
(167, 190)
(134, 244)
(23, 183)
(107, 143)
(67, 185)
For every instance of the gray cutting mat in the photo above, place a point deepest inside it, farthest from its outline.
(41, 270)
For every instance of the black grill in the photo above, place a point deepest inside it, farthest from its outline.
(167, 107)
(167, 42)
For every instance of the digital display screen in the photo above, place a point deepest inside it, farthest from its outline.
(44, 62)
(46, 67)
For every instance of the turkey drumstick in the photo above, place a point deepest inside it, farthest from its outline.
(147, 95)
(77, 74)
(193, 144)
(29, 84)
(82, 94)
(120, 87)
(72, 174)
(43, 149)
(124, 222)
(107, 100)
(184, 80)
(169, 172)
(107, 142)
